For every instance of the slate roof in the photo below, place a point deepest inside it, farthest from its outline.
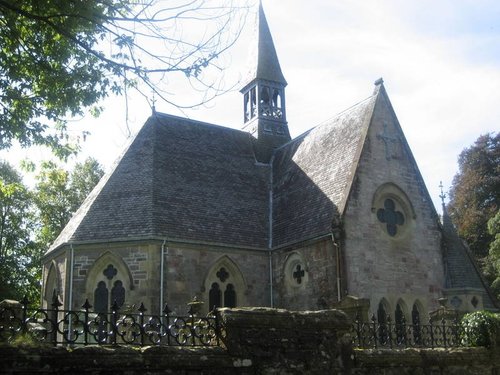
(312, 174)
(461, 271)
(180, 179)
(263, 62)
(187, 180)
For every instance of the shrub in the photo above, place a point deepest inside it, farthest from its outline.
(481, 328)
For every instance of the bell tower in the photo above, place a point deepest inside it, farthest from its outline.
(264, 111)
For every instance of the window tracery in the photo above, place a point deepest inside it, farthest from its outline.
(224, 284)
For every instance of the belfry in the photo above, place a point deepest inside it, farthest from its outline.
(264, 110)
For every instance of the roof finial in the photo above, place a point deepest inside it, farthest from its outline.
(379, 82)
(153, 106)
(443, 194)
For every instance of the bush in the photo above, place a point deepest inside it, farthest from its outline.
(481, 328)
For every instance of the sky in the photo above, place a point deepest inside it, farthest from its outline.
(440, 61)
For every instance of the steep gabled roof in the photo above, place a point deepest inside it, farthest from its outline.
(460, 267)
(179, 179)
(313, 173)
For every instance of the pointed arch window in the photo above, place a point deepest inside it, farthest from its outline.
(51, 285)
(215, 296)
(224, 285)
(399, 319)
(382, 323)
(250, 104)
(230, 296)
(109, 290)
(415, 319)
(101, 298)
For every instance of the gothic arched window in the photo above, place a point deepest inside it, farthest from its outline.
(224, 285)
(399, 319)
(214, 296)
(101, 298)
(415, 319)
(382, 323)
(109, 290)
(230, 296)
(118, 293)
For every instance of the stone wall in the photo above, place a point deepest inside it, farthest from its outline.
(306, 276)
(186, 271)
(404, 266)
(457, 361)
(258, 341)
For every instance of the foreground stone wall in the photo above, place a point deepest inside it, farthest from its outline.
(258, 341)
(457, 361)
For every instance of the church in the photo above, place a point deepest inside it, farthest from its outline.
(336, 216)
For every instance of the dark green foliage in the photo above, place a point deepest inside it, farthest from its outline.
(30, 220)
(492, 266)
(475, 192)
(19, 253)
(59, 193)
(475, 200)
(59, 59)
(47, 70)
(481, 328)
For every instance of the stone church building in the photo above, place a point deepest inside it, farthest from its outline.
(252, 217)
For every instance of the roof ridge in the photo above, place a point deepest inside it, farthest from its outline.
(325, 122)
(191, 121)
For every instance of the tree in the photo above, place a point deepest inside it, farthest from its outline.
(30, 220)
(59, 58)
(475, 192)
(19, 254)
(493, 264)
(59, 193)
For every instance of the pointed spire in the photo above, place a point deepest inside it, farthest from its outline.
(264, 111)
(264, 63)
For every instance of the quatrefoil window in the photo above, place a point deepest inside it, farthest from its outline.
(390, 217)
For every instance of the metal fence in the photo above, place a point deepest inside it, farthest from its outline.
(389, 334)
(85, 327)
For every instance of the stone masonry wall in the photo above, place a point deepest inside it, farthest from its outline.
(317, 287)
(406, 266)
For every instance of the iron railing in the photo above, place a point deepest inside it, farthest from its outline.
(390, 334)
(86, 327)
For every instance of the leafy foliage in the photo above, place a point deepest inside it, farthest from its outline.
(481, 328)
(31, 219)
(475, 192)
(58, 58)
(46, 72)
(59, 193)
(19, 253)
(492, 268)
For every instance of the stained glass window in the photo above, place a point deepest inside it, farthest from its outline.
(391, 217)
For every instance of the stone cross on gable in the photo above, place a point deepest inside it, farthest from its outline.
(390, 143)
(443, 194)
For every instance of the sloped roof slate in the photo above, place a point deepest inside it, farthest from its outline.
(461, 271)
(180, 179)
(312, 175)
(193, 181)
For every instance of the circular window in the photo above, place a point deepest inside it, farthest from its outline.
(393, 210)
(296, 274)
(391, 217)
